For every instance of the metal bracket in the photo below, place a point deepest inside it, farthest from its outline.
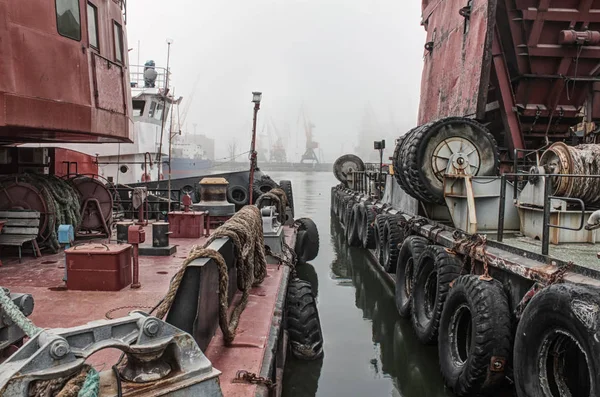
(156, 352)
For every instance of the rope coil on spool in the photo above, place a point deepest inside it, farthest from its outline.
(575, 160)
(245, 231)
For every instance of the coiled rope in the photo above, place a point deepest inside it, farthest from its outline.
(279, 197)
(245, 231)
(86, 383)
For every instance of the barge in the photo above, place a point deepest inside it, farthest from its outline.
(487, 220)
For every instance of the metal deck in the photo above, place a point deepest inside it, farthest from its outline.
(58, 308)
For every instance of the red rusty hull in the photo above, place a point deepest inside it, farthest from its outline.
(56, 89)
(513, 64)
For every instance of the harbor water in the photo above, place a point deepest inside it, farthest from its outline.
(369, 350)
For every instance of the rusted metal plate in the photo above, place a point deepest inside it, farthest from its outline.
(108, 83)
(456, 70)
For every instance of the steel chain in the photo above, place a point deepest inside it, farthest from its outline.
(108, 313)
(243, 376)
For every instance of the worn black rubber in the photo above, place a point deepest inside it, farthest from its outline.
(557, 345)
(399, 173)
(413, 156)
(307, 240)
(379, 243)
(303, 324)
(393, 236)
(346, 163)
(368, 237)
(360, 221)
(286, 186)
(436, 269)
(352, 229)
(348, 212)
(474, 341)
(262, 185)
(408, 258)
(237, 195)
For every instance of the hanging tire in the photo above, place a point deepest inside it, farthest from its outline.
(303, 324)
(392, 238)
(348, 213)
(368, 237)
(286, 186)
(346, 164)
(262, 185)
(379, 243)
(307, 240)
(436, 269)
(399, 173)
(557, 345)
(474, 341)
(352, 228)
(237, 195)
(426, 151)
(408, 258)
(360, 222)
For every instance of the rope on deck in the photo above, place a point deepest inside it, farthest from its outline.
(16, 315)
(245, 231)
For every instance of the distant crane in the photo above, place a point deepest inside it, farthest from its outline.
(311, 145)
(278, 153)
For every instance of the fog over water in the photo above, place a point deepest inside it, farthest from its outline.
(353, 66)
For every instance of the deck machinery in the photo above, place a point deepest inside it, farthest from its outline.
(488, 221)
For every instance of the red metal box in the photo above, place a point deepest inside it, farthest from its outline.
(186, 224)
(98, 267)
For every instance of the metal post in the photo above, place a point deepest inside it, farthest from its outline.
(163, 118)
(546, 222)
(136, 267)
(253, 153)
(502, 208)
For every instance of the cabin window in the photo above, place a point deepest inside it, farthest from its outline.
(138, 107)
(152, 109)
(159, 111)
(92, 19)
(118, 33)
(68, 20)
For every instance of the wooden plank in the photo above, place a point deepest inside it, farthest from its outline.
(16, 239)
(22, 222)
(20, 230)
(19, 214)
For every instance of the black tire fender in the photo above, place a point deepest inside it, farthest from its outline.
(558, 343)
(379, 243)
(307, 240)
(474, 341)
(368, 237)
(353, 227)
(436, 269)
(303, 323)
(237, 195)
(408, 258)
(286, 186)
(262, 185)
(392, 238)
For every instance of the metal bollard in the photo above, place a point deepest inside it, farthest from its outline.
(136, 236)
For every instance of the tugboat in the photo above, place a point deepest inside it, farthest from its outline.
(95, 307)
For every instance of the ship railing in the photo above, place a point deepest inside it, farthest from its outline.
(136, 77)
(157, 203)
(370, 182)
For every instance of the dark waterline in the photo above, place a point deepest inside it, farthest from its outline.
(369, 350)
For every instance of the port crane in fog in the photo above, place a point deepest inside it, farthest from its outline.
(311, 145)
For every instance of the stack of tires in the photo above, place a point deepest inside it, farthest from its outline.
(423, 155)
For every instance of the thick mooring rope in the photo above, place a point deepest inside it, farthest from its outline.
(16, 315)
(279, 197)
(245, 230)
(62, 200)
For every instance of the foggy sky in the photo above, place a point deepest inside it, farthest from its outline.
(335, 58)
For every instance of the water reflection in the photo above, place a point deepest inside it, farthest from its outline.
(412, 367)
